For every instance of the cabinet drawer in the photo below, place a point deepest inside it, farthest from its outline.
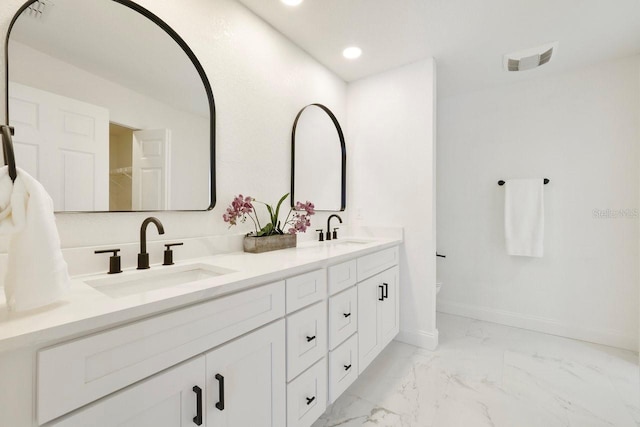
(73, 374)
(307, 396)
(343, 367)
(306, 338)
(343, 316)
(369, 265)
(342, 276)
(306, 289)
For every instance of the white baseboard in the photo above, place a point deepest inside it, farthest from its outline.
(540, 324)
(422, 339)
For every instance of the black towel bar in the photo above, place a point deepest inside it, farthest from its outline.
(7, 150)
(546, 181)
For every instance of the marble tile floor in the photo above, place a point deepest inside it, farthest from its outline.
(486, 374)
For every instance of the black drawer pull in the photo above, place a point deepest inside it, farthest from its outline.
(347, 367)
(381, 293)
(385, 294)
(309, 339)
(220, 404)
(197, 420)
(310, 399)
(346, 314)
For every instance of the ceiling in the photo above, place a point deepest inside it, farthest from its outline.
(468, 38)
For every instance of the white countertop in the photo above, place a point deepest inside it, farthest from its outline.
(85, 309)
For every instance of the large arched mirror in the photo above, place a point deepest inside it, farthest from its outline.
(318, 159)
(112, 110)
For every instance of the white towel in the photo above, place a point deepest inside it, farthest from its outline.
(524, 217)
(36, 273)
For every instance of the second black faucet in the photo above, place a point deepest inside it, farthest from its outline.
(335, 230)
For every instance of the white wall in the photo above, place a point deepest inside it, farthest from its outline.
(581, 130)
(260, 80)
(391, 129)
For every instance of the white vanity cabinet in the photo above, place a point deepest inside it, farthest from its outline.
(81, 371)
(214, 389)
(378, 314)
(270, 355)
(307, 342)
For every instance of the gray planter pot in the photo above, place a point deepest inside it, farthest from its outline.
(257, 245)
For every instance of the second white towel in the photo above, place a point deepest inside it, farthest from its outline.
(524, 217)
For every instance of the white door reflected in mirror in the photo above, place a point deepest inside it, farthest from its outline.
(64, 144)
(150, 169)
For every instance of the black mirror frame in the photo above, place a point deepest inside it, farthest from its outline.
(343, 195)
(187, 50)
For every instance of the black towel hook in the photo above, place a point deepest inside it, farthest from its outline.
(546, 181)
(7, 150)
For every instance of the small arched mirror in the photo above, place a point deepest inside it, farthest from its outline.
(112, 110)
(319, 156)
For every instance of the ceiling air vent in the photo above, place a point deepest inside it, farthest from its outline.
(38, 7)
(530, 58)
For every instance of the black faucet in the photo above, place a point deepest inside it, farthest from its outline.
(143, 256)
(335, 234)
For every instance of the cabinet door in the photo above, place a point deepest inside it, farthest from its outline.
(378, 314)
(369, 296)
(168, 399)
(246, 380)
(389, 316)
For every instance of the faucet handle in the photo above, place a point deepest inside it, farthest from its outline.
(321, 237)
(168, 253)
(335, 233)
(114, 260)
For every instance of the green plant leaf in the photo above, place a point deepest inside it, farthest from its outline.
(282, 199)
(270, 209)
(267, 230)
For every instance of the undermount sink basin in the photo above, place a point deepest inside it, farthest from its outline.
(137, 282)
(349, 242)
(337, 243)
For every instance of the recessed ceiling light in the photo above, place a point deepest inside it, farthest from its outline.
(352, 52)
(291, 2)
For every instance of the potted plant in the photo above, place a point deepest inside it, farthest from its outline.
(272, 236)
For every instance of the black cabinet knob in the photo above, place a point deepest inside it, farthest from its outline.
(347, 367)
(310, 399)
(346, 314)
(309, 339)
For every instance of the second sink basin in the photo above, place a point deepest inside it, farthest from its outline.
(137, 282)
(349, 242)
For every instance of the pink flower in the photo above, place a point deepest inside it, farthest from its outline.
(301, 220)
(240, 207)
(308, 207)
